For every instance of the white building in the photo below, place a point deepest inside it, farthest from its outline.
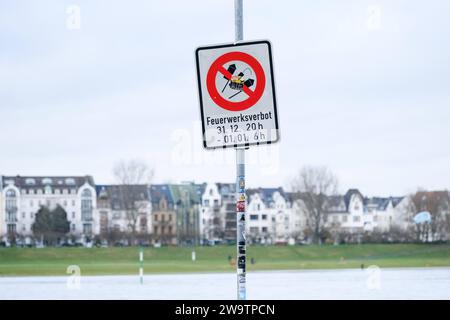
(269, 216)
(212, 217)
(23, 197)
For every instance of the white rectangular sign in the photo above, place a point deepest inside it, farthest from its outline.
(237, 94)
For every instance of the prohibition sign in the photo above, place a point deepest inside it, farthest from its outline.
(253, 95)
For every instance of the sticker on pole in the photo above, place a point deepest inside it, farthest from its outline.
(237, 94)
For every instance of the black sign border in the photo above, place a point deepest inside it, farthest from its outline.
(230, 45)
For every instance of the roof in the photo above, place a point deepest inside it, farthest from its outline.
(226, 188)
(35, 182)
(118, 195)
(336, 204)
(266, 194)
(159, 191)
(381, 203)
(348, 195)
(185, 192)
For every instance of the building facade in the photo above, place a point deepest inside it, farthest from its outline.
(124, 209)
(164, 216)
(24, 196)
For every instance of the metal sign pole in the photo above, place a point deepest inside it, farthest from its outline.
(240, 181)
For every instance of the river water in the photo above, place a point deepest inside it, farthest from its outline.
(372, 283)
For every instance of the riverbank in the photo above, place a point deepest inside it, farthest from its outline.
(122, 261)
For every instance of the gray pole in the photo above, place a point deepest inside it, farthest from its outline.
(240, 180)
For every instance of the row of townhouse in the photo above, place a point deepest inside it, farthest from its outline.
(188, 213)
(169, 212)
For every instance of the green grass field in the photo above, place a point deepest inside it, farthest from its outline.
(108, 261)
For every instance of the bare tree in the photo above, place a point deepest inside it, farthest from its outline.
(313, 185)
(437, 203)
(133, 177)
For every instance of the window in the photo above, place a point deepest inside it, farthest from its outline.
(70, 181)
(86, 205)
(336, 218)
(375, 218)
(156, 217)
(31, 191)
(264, 229)
(48, 190)
(65, 203)
(170, 229)
(170, 217)
(11, 228)
(87, 228)
(356, 219)
(31, 203)
(73, 203)
(73, 226)
(163, 218)
(258, 206)
(253, 217)
(11, 205)
(206, 203)
(210, 192)
(216, 202)
(30, 181)
(73, 214)
(11, 193)
(23, 215)
(344, 218)
(264, 217)
(155, 230)
(47, 181)
(254, 230)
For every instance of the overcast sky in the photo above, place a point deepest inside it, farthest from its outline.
(363, 87)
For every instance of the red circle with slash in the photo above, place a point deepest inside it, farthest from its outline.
(253, 95)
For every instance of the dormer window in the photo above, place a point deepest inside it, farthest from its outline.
(47, 181)
(30, 181)
(70, 181)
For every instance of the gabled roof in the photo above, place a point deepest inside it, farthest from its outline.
(266, 194)
(348, 195)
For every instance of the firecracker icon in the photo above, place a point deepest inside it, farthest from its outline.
(238, 82)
